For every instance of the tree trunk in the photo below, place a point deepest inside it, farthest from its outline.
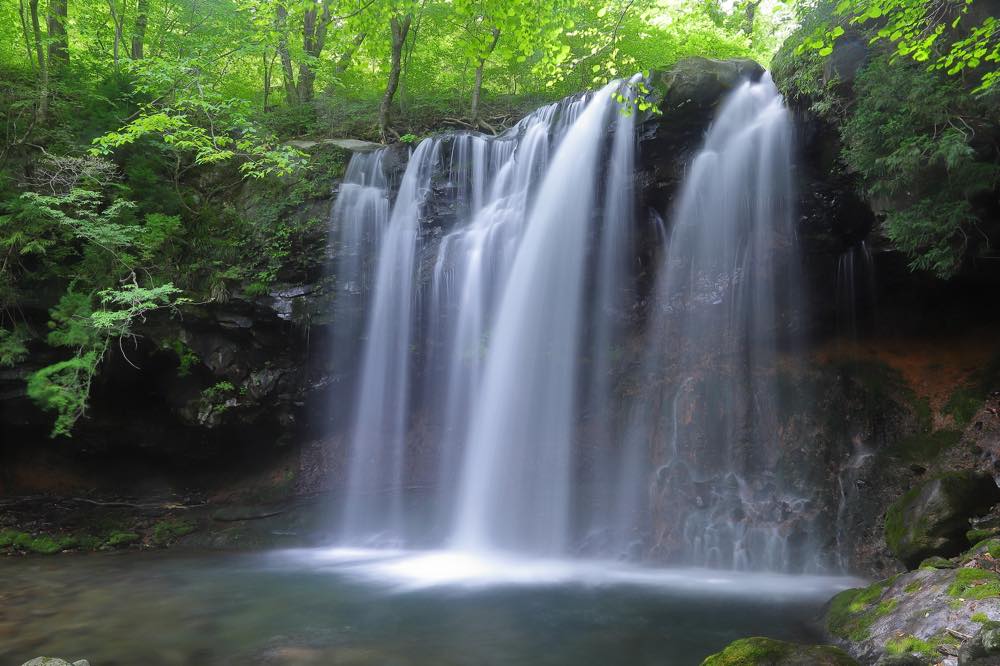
(287, 73)
(478, 87)
(400, 29)
(344, 61)
(26, 33)
(139, 34)
(43, 70)
(313, 40)
(749, 17)
(58, 41)
(268, 72)
(117, 20)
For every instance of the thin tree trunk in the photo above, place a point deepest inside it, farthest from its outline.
(288, 74)
(26, 33)
(116, 19)
(43, 70)
(268, 70)
(749, 17)
(58, 40)
(139, 33)
(478, 87)
(344, 61)
(400, 29)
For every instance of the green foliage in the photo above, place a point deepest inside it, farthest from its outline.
(913, 135)
(169, 530)
(97, 246)
(909, 137)
(187, 359)
(13, 345)
(918, 30)
(63, 388)
(218, 391)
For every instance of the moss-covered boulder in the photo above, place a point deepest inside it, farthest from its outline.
(769, 652)
(933, 518)
(913, 617)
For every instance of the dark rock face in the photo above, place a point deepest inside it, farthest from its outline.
(932, 519)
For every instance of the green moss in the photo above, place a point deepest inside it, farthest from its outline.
(895, 526)
(968, 398)
(171, 529)
(118, 539)
(759, 651)
(913, 587)
(924, 446)
(980, 536)
(936, 562)
(44, 544)
(852, 612)
(980, 617)
(910, 645)
(971, 583)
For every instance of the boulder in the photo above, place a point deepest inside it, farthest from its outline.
(54, 661)
(983, 649)
(914, 618)
(932, 519)
(759, 651)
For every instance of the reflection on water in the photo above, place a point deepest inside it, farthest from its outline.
(361, 608)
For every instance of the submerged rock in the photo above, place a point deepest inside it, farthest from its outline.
(759, 651)
(54, 661)
(932, 519)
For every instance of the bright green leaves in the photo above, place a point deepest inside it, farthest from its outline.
(63, 388)
(909, 138)
(915, 28)
(981, 45)
(106, 256)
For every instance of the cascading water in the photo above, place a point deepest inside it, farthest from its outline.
(424, 345)
(497, 335)
(729, 271)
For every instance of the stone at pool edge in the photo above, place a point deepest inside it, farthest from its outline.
(54, 661)
(758, 651)
(932, 518)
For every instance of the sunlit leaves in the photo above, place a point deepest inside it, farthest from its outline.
(915, 28)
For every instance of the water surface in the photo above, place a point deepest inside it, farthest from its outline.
(382, 608)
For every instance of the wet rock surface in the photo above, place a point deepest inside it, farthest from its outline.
(926, 616)
(933, 518)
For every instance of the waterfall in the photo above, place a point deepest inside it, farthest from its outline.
(515, 490)
(507, 397)
(432, 324)
(729, 271)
